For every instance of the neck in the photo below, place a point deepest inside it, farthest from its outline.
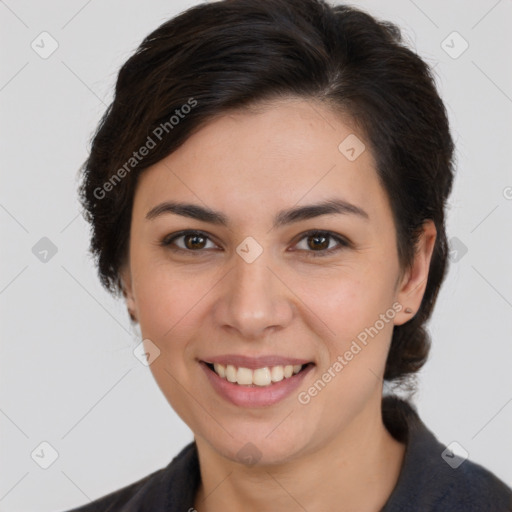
(356, 470)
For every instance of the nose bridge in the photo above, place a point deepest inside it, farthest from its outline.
(253, 300)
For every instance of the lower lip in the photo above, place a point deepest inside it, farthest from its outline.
(256, 396)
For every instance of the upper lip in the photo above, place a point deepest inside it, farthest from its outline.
(255, 362)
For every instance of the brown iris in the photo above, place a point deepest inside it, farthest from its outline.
(319, 241)
(194, 241)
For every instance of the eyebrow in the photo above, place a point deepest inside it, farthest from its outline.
(284, 217)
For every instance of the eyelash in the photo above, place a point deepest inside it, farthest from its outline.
(170, 239)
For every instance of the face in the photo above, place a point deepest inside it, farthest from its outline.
(260, 245)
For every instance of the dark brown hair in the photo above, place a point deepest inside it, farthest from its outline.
(236, 54)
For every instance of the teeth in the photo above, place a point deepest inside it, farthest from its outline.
(220, 370)
(231, 373)
(259, 377)
(244, 376)
(277, 373)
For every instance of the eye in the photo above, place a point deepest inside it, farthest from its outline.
(318, 243)
(312, 243)
(189, 241)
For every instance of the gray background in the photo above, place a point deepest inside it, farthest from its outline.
(68, 374)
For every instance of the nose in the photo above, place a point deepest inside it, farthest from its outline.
(253, 300)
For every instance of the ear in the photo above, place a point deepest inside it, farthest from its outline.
(126, 280)
(411, 287)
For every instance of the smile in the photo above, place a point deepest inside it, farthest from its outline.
(262, 377)
(255, 382)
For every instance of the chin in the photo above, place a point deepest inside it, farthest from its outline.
(257, 446)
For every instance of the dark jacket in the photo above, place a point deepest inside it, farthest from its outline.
(429, 479)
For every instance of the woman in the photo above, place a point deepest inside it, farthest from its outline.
(267, 191)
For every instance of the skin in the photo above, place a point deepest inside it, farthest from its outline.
(333, 453)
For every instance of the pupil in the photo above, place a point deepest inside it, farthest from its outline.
(319, 242)
(192, 241)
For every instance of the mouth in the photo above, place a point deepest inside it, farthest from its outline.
(265, 376)
(256, 380)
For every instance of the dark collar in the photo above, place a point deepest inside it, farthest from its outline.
(427, 481)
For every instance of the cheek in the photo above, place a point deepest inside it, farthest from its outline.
(168, 306)
(359, 316)
(348, 302)
(169, 314)
(165, 293)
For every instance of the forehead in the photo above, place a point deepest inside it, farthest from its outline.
(281, 154)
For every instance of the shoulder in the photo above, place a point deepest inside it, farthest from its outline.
(476, 488)
(432, 477)
(467, 488)
(114, 500)
(174, 484)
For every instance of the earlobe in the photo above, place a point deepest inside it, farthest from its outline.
(414, 282)
(126, 282)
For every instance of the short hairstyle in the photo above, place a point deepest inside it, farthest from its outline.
(237, 54)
